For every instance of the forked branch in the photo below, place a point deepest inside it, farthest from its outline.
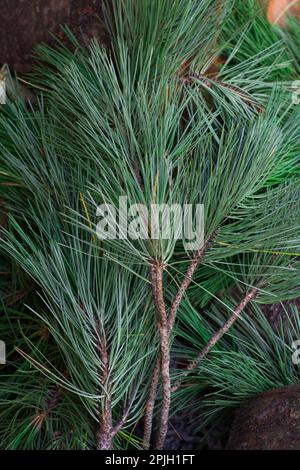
(197, 259)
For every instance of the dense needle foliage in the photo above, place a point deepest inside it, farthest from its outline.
(191, 104)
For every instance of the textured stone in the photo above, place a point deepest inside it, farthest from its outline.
(269, 421)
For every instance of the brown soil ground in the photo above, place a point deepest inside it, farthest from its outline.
(26, 23)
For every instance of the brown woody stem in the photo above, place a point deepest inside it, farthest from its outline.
(107, 431)
(156, 274)
(197, 258)
(120, 423)
(105, 434)
(217, 336)
(149, 410)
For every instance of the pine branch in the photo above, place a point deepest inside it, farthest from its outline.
(52, 401)
(104, 434)
(156, 274)
(120, 423)
(197, 258)
(107, 431)
(138, 175)
(217, 336)
(149, 410)
(54, 398)
(209, 83)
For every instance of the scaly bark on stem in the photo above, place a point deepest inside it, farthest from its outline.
(148, 420)
(197, 258)
(156, 274)
(121, 422)
(104, 434)
(217, 336)
(107, 431)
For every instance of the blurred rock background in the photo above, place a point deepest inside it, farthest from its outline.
(25, 23)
